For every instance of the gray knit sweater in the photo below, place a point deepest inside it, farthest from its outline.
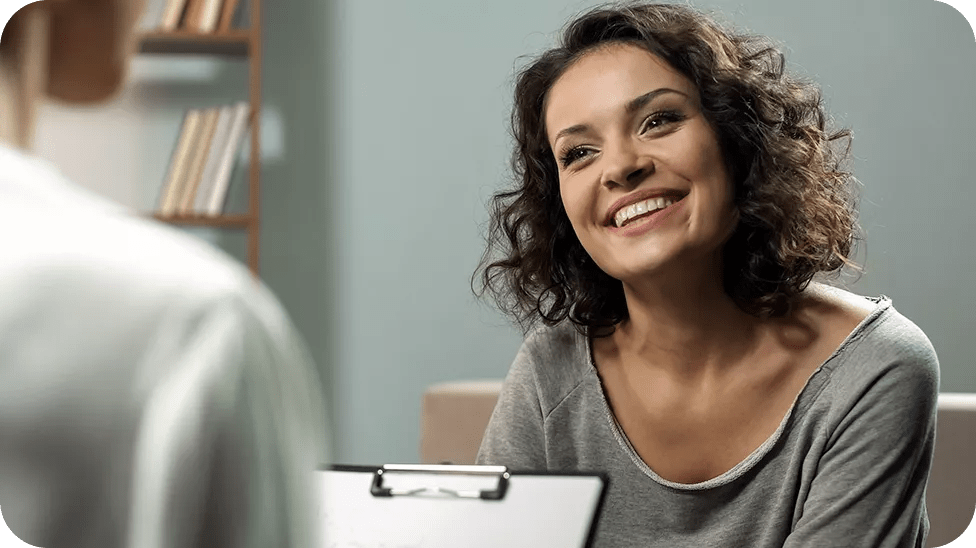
(847, 466)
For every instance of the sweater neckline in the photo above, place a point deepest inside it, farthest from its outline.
(812, 387)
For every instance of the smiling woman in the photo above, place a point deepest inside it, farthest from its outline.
(676, 193)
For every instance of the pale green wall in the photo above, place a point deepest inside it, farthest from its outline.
(386, 127)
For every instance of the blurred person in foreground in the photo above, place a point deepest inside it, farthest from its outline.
(152, 392)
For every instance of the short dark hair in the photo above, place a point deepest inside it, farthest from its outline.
(796, 203)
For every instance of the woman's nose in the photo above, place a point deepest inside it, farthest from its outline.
(624, 165)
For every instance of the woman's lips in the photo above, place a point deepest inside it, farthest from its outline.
(643, 224)
(640, 197)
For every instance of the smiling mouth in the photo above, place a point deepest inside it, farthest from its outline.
(642, 209)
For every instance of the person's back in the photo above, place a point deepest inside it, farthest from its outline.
(152, 392)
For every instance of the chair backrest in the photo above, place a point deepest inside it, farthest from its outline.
(454, 418)
(455, 415)
(951, 496)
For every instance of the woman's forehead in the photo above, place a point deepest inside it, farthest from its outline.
(605, 80)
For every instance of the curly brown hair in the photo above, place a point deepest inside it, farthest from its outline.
(797, 211)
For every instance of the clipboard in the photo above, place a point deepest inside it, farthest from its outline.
(451, 506)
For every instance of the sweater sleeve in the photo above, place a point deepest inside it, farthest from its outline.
(515, 436)
(869, 488)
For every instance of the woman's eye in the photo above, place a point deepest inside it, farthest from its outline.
(661, 119)
(574, 155)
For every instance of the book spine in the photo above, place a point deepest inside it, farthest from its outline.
(172, 14)
(228, 155)
(194, 14)
(221, 134)
(202, 150)
(178, 163)
(210, 15)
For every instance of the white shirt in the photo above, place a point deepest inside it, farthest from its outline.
(152, 393)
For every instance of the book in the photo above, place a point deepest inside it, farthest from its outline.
(178, 162)
(201, 151)
(206, 184)
(210, 15)
(192, 21)
(227, 15)
(172, 14)
(218, 195)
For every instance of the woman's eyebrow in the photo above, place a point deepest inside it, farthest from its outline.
(571, 130)
(638, 103)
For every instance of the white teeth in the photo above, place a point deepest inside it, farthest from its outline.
(640, 208)
(620, 217)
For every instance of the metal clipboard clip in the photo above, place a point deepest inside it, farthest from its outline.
(498, 493)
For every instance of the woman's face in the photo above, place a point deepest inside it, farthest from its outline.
(641, 172)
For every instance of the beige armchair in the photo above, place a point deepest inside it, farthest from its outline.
(455, 415)
(951, 495)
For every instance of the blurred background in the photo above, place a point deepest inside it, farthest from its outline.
(384, 132)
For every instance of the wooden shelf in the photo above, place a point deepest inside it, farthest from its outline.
(246, 45)
(223, 221)
(235, 43)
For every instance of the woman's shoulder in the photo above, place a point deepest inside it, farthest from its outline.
(897, 345)
(556, 357)
(871, 323)
(881, 346)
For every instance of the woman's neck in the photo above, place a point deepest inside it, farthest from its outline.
(687, 323)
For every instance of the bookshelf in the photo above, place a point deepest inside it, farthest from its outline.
(230, 42)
